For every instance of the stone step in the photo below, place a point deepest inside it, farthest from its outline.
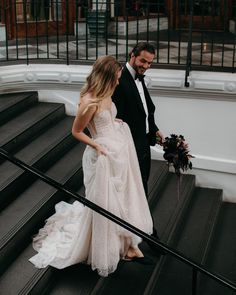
(21, 220)
(191, 238)
(19, 130)
(221, 258)
(12, 104)
(41, 152)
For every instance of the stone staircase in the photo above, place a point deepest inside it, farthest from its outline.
(97, 22)
(198, 224)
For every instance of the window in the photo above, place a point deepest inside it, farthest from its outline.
(38, 10)
(201, 7)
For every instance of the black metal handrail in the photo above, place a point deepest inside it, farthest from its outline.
(195, 266)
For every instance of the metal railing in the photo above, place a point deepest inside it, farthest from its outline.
(177, 255)
(78, 31)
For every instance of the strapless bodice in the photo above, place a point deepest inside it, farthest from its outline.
(103, 122)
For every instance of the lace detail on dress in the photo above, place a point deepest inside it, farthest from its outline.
(103, 122)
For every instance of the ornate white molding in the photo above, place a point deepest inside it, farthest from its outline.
(210, 82)
(62, 76)
(17, 77)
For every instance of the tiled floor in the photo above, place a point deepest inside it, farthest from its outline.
(172, 52)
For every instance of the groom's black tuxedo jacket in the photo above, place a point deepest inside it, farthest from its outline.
(130, 109)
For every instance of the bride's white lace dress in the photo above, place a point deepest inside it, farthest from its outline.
(75, 233)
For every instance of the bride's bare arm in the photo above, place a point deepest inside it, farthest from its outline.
(84, 115)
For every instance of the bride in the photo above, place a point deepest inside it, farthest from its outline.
(76, 234)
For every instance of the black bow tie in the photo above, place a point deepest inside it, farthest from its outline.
(139, 76)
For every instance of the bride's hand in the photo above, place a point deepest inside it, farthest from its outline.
(101, 150)
(119, 120)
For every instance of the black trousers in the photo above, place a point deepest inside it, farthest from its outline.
(144, 159)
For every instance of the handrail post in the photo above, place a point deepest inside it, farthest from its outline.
(189, 52)
(194, 281)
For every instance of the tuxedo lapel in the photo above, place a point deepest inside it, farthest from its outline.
(149, 102)
(132, 88)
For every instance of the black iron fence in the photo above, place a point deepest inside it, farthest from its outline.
(188, 34)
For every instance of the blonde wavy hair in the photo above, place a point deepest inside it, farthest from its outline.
(102, 80)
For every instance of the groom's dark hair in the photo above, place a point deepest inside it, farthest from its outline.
(142, 46)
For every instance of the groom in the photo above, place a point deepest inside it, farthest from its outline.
(135, 107)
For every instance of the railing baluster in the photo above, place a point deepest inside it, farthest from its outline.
(47, 15)
(147, 13)
(57, 25)
(234, 55)
(106, 24)
(6, 6)
(127, 33)
(67, 33)
(77, 29)
(16, 30)
(37, 35)
(168, 42)
(189, 54)
(234, 44)
(86, 33)
(158, 33)
(226, 8)
(137, 22)
(117, 9)
(26, 30)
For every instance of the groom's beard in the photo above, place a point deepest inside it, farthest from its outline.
(139, 69)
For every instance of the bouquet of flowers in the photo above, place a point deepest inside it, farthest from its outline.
(176, 153)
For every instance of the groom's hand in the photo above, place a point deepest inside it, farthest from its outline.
(160, 137)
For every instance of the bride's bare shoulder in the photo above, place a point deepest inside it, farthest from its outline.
(86, 99)
(88, 103)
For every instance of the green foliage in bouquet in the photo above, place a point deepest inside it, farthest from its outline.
(176, 153)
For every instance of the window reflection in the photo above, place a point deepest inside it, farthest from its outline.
(38, 10)
(201, 7)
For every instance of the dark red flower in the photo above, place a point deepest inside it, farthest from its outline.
(176, 153)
